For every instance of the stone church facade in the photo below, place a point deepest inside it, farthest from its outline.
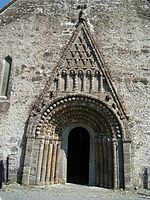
(75, 92)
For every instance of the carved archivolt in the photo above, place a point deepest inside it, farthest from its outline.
(75, 109)
(61, 113)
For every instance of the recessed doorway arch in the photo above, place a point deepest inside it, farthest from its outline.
(64, 152)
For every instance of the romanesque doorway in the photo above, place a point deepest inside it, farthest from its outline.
(78, 156)
(78, 94)
(74, 131)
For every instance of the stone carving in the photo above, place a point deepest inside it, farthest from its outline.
(76, 109)
(84, 80)
(79, 91)
(81, 69)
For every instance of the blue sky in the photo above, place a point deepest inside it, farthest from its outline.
(3, 3)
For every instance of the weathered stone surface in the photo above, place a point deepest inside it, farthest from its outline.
(35, 33)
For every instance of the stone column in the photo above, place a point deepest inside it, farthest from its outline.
(67, 82)
(115, 164)
(44, 162)
(49, 162)
(57, 161)
(40, 157)
(101, 83)
(75, 82)
(92, 82)
(84, 82)
(53, 163)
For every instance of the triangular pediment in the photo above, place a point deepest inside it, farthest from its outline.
(81, 70)
(80, 52)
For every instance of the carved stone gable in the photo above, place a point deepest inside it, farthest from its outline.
(80, 54)
(81, 70)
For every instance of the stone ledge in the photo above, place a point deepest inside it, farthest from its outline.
(4, 104)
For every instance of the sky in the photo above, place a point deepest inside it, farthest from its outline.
(3, 3)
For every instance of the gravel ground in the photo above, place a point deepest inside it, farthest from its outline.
(68, 192)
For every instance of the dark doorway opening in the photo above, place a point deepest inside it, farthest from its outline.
(78, 156)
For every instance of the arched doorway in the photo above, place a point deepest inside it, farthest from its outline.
(59, 128)
(78, 156)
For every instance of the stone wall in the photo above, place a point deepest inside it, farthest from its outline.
(35, 33)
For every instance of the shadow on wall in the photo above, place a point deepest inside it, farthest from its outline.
(121, 163)
(145, 178)
(23, 150)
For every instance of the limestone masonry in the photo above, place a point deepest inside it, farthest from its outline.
(75, 92)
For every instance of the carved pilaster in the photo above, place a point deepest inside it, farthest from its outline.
(52, 180)
(101, 83)
(115, 164)
(40, 157)
(44, 162)
(49, 162)
(92, 82)
(75, 82)
(57, 162)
